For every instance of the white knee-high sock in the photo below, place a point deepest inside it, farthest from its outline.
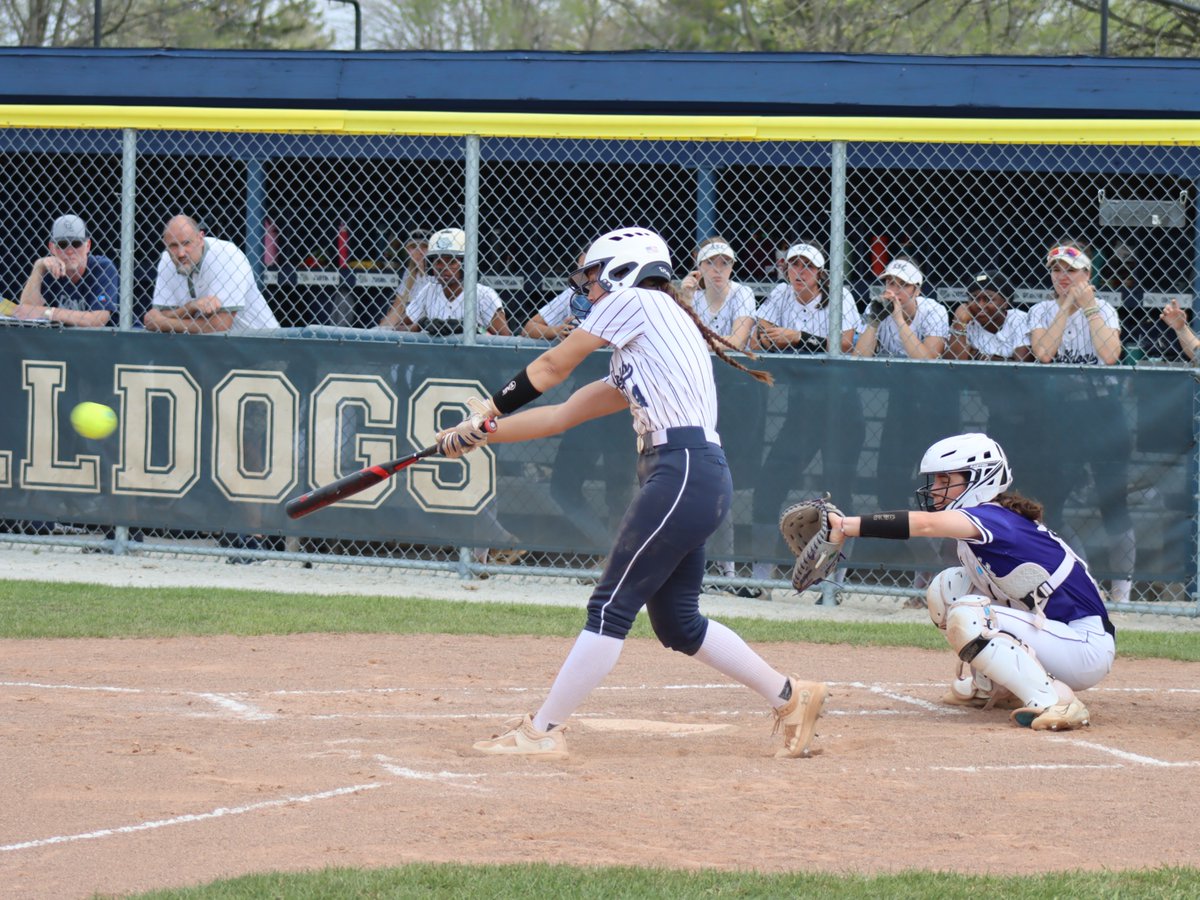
(588, 663)
(726, 652)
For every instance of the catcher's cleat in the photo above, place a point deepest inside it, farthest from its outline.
(1059, 717)
(521, 739)
(798, 717)
(967, 692)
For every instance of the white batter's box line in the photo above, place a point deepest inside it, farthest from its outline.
(189, 818)
(238, 709)
(103, 688)
(937, 708)
(1022, 767)
(1133, 757)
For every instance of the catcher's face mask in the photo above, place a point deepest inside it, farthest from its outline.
(941, 489)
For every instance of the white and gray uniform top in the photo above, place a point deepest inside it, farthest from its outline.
(782, 309)
(558, 310)
(931, 320)
(223, 272)
(1003, 344)
(739, 304)
(660, 361)
(1077, 345)
(429, 301)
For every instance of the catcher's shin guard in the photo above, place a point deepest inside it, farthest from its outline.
(971, 631)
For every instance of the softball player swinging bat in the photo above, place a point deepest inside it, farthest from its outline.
(1022, 612)
(661, 370)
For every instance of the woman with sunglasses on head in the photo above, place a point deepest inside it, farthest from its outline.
(661, 371)
(1075, 326)
(1022, 611)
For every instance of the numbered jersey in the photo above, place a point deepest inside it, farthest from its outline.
(660, 361)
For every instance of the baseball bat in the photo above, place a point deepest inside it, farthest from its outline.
(355, 482)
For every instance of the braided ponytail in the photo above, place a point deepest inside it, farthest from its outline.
(715, 342)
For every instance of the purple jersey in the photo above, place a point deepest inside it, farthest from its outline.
(1009, 541)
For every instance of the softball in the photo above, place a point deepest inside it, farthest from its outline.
(93, 420)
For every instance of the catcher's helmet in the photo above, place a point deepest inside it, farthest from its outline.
(625, 257)
(976, 454)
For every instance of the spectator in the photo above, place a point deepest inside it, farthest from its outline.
(727, 308)
(1075, 326)
(903, 324)
(413, 274)
(558, 318)
(987, 326)
(71, 286)
(722, 304)
(1177, 320)
(204, 286)
(436, 305)
(795, 319)
(795, 315)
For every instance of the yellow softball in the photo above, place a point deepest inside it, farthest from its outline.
(93, 420)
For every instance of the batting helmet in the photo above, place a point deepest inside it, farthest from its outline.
(625, 257)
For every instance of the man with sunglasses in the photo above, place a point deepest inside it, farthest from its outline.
(71, 286)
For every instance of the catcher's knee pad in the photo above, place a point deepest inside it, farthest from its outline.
(947, 586)
(969, 625)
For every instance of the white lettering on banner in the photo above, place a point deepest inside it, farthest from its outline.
(335, 446)
(255, 415)
(147, 391)
(460, 486)
(42, 470)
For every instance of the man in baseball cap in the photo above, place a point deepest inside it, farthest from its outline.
(70, 286)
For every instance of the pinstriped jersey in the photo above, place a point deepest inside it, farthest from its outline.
(660, 361)
(1077, 345)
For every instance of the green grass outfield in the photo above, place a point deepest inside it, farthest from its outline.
(31, 609)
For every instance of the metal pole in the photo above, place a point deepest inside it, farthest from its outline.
(357, 21)
(128, 209)
(1104, 27)
(97, 11)
(471, 226)
(837, 244)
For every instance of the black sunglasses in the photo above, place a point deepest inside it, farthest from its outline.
(63, 245)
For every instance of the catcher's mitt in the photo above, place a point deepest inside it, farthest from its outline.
(805, 527)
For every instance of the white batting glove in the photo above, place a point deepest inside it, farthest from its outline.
(470, 433)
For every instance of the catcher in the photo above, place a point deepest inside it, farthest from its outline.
(1022, 612)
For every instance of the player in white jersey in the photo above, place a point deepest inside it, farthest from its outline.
(795, 316)
(558, 318)
(903, 324)
(986, 326)
(795, 319)
(1076, 326)
(721, 303)
(1022, 611)
(436, 305)
(661, 371)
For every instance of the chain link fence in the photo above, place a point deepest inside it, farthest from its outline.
(998, 255)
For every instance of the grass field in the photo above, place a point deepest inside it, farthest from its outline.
(31, 609)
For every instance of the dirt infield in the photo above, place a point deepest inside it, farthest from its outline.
(136, 764)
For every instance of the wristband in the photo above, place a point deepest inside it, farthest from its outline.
(1091, 311)
(958, 329)
(515, 394)
(891, 525)
(48, 314)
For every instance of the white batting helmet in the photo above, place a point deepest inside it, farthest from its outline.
(625, 257)
(976, 454)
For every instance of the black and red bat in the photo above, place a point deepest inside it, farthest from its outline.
(358, 481)
(353, 483)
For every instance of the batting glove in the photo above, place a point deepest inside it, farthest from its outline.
(470, 433)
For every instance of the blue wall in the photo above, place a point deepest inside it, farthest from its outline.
(713, 83)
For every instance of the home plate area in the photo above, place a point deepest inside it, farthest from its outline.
(140, 763)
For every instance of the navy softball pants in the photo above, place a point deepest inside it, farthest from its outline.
(658, 558)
